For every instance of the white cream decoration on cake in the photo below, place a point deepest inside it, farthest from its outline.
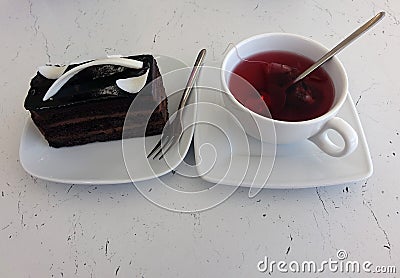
(53, 71)
(134, 84)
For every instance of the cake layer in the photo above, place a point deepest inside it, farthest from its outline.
(80, 138)
(51, 117)
(100, 108)
(100, 124)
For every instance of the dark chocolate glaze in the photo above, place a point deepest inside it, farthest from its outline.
(92, 84)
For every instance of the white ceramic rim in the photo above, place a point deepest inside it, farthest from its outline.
(332, 111)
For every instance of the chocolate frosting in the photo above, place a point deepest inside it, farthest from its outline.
(92, 84)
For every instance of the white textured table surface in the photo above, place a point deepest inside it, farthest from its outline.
(64, 230)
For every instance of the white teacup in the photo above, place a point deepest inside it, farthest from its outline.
(284, 132)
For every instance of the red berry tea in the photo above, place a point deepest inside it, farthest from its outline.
(271, 73)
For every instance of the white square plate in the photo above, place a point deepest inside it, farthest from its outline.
(105, 162)
(297, 165)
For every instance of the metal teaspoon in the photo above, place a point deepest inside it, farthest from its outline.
(341, 45)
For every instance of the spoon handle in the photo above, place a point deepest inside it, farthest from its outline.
(341, 45)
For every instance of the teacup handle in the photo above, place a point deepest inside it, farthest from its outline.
(348, 134)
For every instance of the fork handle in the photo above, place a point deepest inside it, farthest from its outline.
(193, 77)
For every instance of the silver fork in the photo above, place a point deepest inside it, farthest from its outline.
(172, 132)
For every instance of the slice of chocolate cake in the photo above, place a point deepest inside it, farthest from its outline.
(91, 106)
